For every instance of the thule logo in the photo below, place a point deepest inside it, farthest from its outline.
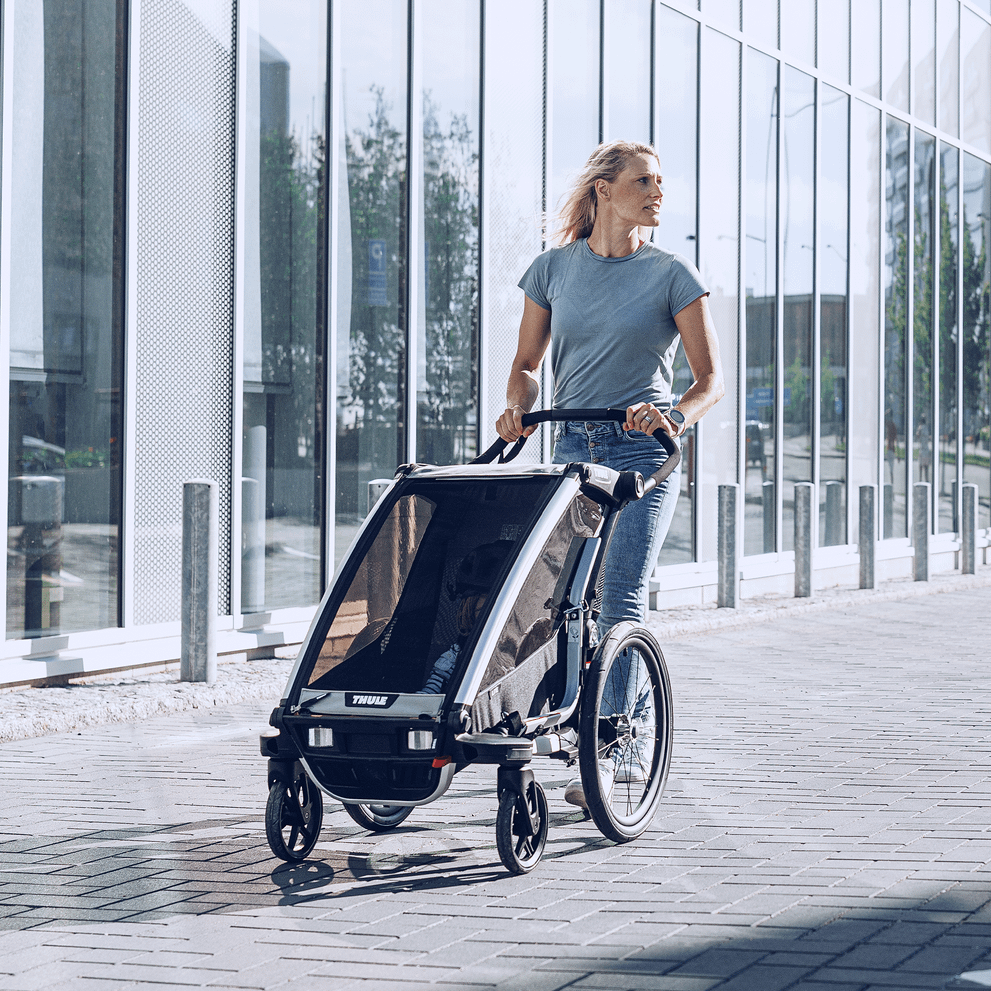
(371, 701)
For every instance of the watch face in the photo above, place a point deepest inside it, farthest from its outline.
(677, 416)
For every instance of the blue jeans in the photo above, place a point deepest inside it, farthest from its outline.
(642, 526)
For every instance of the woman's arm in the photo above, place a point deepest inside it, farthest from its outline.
(524, 381)
(698, 336)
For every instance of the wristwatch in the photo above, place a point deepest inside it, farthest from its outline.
(678, 418)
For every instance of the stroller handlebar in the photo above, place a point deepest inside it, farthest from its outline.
(594, 415)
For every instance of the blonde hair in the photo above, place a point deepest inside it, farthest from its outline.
(576, 218)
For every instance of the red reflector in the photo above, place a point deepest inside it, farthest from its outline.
(441, 761)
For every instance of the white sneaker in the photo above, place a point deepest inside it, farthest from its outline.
(574, 793)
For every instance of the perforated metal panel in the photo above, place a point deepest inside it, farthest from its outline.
(513, 191)
(183, 337)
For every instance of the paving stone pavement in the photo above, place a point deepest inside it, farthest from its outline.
(825, 828)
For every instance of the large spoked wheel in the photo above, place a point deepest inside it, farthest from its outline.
(521, 845)
(293, 817)
(626, 721)
(378, 817)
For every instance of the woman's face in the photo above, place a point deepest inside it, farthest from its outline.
(635, 196)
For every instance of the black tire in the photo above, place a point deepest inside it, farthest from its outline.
(626, 722)
(293, 817)
(520, 851)
(378, 817)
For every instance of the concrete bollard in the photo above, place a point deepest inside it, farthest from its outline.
(868, 535)
(921, 527)
(804, 520)
(38, 504)
(729, 576)
(835, 530)
(968, 530)
(889, 511)
(767, 498)
(200, 546)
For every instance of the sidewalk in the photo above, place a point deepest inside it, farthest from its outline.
(825, 828)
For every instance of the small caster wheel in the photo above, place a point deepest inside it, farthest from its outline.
(293, 817)
(520, 841)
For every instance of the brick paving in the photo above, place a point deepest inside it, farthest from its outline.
(825, 828)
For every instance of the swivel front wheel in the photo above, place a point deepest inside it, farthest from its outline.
(521, 828)
(293, 816)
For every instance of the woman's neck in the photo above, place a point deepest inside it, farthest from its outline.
(616, 243)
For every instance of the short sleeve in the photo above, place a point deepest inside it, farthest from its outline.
(535, 281)
(686, 284)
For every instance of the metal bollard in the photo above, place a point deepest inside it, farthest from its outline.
(38, 508)
(200, 546)
(767, 497)
(375, 489)
(835, 530)
(253, 498)
(729, 579)
(968, 530)
(804, 501)
(921, 526)
(868, 535)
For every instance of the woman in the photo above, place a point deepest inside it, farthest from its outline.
(612, 308)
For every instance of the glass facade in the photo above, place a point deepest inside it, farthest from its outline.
(826, 166)
(65, 318)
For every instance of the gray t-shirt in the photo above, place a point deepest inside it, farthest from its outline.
(613, 335)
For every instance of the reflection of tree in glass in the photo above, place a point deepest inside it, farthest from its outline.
(976, 337)
(947, 317)
(450, 194)
(376, 163)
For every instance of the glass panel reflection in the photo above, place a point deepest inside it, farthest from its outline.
(66, 357)
(865, 46)
(949, 235)
(924, 363)
(725, 13)
(760, 281)
(677, 73)
(834, 39)
(627, 115)
(896, 413)
(760, 21)
(976, 94)
(924, 59)
(447, 365)
(833, 197)
(894, 55)
(371, 258)
(976, 231)
(797, 248)
(798, 30)
(948, 55)
(284, 314)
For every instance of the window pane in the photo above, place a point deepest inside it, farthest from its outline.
(833, 197)
(447, 365)
(949, 241)
(798, 30)
(865, 41)
(760, 281)
(677, 72)
(976, 52)
(371, 257)
(865, 200)
(282, 481)
(719, 243)
(924, 362)
(627, 70)
(948, 53)
(976, 331)
(797, 246)
(65, 339)
(834, 39)
(574, 89)
(924, 59)
(725, 13)
(896, 414)
(894, 55)
(760, 21)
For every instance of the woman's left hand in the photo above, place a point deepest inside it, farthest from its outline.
(647, 418)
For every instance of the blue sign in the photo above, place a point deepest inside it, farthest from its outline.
(764, 396)
(377, 295)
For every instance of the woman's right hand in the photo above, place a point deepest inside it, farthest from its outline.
(509, 426)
